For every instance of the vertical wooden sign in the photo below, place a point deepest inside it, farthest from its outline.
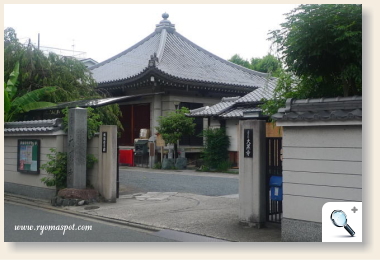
(248, 143)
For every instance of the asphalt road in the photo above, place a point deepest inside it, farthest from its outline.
(20, 215)
(138, 181)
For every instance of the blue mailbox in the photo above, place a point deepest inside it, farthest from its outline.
(275, 185)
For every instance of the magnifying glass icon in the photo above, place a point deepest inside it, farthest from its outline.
(339, 219)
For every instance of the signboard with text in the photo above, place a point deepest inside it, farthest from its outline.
(248, 143)
(160, 141)
(28, 156)
(104, 142)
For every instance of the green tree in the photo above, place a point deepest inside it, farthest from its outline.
(322, 46)
(176, 124)
(16, 105)
(37, 69)
(287, 86)
(240, 61)
(267, 64)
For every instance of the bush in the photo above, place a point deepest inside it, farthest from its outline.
(57, 168)
(215, 152)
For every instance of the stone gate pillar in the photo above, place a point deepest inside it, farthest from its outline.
(108, 162)
(252, 186)
(77, 148)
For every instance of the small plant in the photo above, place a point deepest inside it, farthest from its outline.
(204, 168)
(157, 165)
(57, 168)
(90, 161)
(223, 166)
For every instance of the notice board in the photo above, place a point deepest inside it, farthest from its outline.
(28, 156)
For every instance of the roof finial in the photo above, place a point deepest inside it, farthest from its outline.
(165, 24)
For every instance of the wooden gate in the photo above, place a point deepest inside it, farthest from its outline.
(273, 168)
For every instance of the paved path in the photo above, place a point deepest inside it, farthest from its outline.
(170, 212)
(133, 180)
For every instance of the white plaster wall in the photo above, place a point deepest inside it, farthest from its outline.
(59, 142)
(232, 130)
(320, 164)
(11, 174)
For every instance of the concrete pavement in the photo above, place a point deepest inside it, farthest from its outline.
(209, 216)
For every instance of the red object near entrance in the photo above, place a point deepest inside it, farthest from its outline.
(126, 157)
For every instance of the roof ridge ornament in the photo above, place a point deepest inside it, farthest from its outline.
(165, 24)
(153, 60)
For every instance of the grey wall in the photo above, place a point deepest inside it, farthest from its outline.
(320, 164)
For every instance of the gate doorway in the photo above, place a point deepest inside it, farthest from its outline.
(273, 168)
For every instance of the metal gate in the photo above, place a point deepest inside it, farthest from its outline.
(273, 168)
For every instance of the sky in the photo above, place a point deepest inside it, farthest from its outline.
(102, 31)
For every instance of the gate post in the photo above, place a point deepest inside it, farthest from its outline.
(252, 187)
(108, 162)
(77, 148)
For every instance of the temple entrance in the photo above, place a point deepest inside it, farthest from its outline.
(135, 117)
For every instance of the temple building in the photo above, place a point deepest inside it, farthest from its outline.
(166, 71)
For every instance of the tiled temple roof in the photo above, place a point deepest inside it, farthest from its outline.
(170, 54)
(234, 107)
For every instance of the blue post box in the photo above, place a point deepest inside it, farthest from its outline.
(275, 185)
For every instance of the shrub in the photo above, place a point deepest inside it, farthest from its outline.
(215, 152)
(57, 168)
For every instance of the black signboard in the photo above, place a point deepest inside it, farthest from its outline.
(28, 156)
(104, 142)
(248, 143)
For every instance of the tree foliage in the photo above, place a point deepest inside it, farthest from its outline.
(72, 79)
(16, 105)
(37, 70)
(237, 59)
(175, 125)
(215, 151)
(322, 46)
(267, 64)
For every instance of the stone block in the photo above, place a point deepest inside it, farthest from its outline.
(59, 201)
(168, 164)
(181, 163)
(66, 202)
